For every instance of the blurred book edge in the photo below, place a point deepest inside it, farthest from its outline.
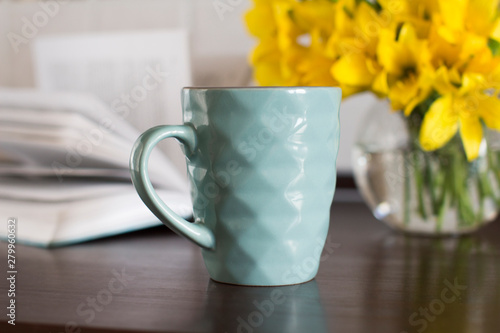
(64, 170)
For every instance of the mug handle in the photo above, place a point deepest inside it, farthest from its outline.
(198, 233)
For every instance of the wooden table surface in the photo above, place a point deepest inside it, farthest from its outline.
(371, 279)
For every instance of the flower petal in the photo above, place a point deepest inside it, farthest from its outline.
(266, 50)
(380, 85)
(472, 84)
(480, 15)
(348, 90)
(402, 92)
(489, 110)
(443, 82)
(353, 70)
(262, 12)
(471, 132)
(269, 74)
(440, 124)
(495, 32)
(423, 91)
(444, 52)
(398, 55)
(315, 70)
(421, 95)
(453, 13)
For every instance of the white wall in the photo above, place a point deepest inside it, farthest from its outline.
(219, 42)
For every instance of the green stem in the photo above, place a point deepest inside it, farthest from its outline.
(443, 208)
(420, 185)
(494, 166)
(447, 173)
(407, 190)
(432, 184)
(466, 211)
(483, 193)
(456, 178)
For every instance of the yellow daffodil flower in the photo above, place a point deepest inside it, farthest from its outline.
(404, 50)
(406, 63)
(460, 108)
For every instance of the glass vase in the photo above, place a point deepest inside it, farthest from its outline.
(433, 193)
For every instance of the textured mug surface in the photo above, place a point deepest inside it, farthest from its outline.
(261, 163)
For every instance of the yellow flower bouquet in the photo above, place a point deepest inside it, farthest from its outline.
(436, 61)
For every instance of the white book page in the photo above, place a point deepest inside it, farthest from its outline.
(60, 223)
(50, 190)
(139, 75)
(53, 103)
(92, 141)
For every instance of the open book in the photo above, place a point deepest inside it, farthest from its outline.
(138, 74)
(64, 170)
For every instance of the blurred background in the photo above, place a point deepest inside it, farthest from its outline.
(218, 46)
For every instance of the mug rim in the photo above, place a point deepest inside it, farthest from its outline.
(260, 87)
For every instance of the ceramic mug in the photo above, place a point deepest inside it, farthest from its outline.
(262, 168)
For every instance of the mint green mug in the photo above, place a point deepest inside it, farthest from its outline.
(261, 164)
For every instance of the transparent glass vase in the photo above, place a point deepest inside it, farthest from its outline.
(433, 193)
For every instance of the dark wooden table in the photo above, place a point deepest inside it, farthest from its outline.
(371, 280)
